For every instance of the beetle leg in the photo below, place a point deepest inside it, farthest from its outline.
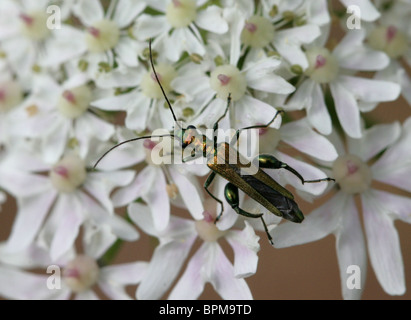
(231, 195)
(261, 126)
(268, 161)
(215, 127)
(207, 183)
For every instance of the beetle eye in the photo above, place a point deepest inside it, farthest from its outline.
(191, 127)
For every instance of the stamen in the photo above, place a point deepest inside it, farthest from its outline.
(352, 167)
(223, 79)
(208, 217)
(153, 76)
(320, 61)
(148, 144)
(72, 273)
(176, 3)
(62, 171)
(94, 32)
(251, 27)
(391, 33)
(26, 19)
(69, 96)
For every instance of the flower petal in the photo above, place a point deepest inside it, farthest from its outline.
(299, 135)
(351, 250)
(374, 140)
(161, 273)
(89, 11)
(383, 244)
(245, 245)
(370, 90)
(317, 225)
(367, 9)
(211, 19)
(30, 217)
(347, 109)
(126, 11)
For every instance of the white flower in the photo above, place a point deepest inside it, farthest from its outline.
(58, 115)
(29, 42)
(73, 275)
(266, 31)
(106, 38)
(392, 35)
(143, 102)
(351, 94)
(62, 201)
(339, 215)
(208, 93)
(176, 29)
(160, 184)
(209, 263)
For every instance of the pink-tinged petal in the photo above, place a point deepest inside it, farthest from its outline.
(220, 273)
(123, 229)
(299, 135)
(127, 11)
(374, 140)
(370, 90)
(351, 250)
(352, 54)
(113, 291)
(30, 217)
(191, 284)
(149, 26)
(137, 114)
(196, 88)
(97, 239)
(159, 5)
(124, 196)
(22, 184)
(395, 206)
(116, 103)
(303, 96)
(211, 19)
(101, 184)
(383, 244)
(161, 273)
(31, 257)
(86, 295)
(318, 224)
(347, 109)
(393, 166)
(89, 11)
(68, 227)
(124, 274)
(367, 9)
(22, 285)
(245, 245)
(288, 43)
(189, 193)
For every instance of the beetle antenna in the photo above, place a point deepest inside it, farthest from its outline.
(159, 83)
(127, 141)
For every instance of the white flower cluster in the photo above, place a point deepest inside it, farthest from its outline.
(76, 79)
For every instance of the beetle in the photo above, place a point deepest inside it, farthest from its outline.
(224, 160)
